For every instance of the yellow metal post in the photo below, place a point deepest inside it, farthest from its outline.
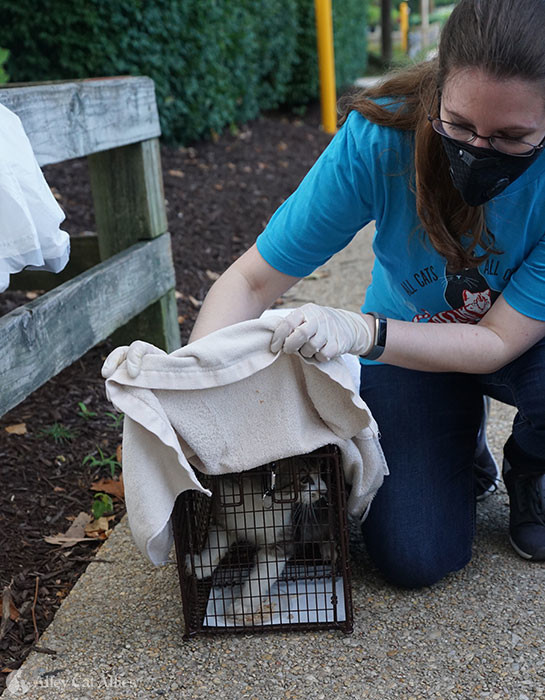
(404, 25)
(326, 63)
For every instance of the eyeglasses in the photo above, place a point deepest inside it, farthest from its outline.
(512, 147)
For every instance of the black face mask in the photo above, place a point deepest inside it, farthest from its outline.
(482, 173)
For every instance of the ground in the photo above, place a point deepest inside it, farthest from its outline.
(219, 196)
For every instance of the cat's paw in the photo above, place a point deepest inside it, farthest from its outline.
(251, 612)
(233, 613)
(328, 551)
(242, 610)
(195, 565)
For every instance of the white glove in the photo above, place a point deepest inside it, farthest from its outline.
(322, 332)
(133, 354)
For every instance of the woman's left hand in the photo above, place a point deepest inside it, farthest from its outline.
(132, 355)
(322, 332)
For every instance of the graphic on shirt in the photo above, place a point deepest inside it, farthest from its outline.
(467, 293)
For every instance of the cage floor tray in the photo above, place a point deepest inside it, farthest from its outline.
(291, 602)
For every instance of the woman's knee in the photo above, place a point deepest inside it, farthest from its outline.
(419, 566)
(522, 384)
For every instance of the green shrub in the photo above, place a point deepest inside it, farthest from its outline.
(350, 29)
(350, 39)
(4, 55)
(214, 62)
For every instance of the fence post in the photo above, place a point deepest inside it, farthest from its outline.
(127, 186)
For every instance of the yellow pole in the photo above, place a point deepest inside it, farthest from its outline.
(404, 25)
(326, 64)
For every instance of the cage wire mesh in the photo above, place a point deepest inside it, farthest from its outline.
(268, 550)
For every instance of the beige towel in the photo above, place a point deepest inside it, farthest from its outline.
(227, 404)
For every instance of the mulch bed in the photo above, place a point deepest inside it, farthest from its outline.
(219, 197)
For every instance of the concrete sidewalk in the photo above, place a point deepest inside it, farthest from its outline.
(477, 634)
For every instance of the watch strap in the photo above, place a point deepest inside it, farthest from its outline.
(379, 339)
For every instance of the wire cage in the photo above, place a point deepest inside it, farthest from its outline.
(268, 550)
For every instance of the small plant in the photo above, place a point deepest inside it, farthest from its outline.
(116, 418)
(102, 505)
(102, 461)
(84, 412)
(59, 433)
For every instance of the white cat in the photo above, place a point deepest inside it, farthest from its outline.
(266, 514)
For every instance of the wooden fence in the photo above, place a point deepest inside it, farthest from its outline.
(122, 277)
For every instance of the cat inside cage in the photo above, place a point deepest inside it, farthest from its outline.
(270, 540)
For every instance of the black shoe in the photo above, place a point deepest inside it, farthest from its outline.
(486, 475)
(486, 472)
(527, 512)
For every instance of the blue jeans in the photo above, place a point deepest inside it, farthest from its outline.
(422, 520)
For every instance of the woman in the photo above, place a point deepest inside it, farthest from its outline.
(446, 157)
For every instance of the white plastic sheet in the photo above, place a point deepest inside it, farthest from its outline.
(30, 216)
(299, 601)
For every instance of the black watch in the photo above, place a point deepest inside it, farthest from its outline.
(379, 340)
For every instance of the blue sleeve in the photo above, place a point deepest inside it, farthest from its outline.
(525, 291)
(332, 203)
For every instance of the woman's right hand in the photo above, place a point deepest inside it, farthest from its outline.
(322, 332)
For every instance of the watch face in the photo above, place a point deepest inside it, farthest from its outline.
(381, 325)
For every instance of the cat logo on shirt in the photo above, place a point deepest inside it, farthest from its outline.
(468, 294)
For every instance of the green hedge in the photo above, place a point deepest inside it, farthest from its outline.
(214, 62)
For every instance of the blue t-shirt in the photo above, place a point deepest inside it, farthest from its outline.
(363, 175)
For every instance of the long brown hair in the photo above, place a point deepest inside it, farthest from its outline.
(497, 36)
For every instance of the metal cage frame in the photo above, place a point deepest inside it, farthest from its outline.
(321, 586)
